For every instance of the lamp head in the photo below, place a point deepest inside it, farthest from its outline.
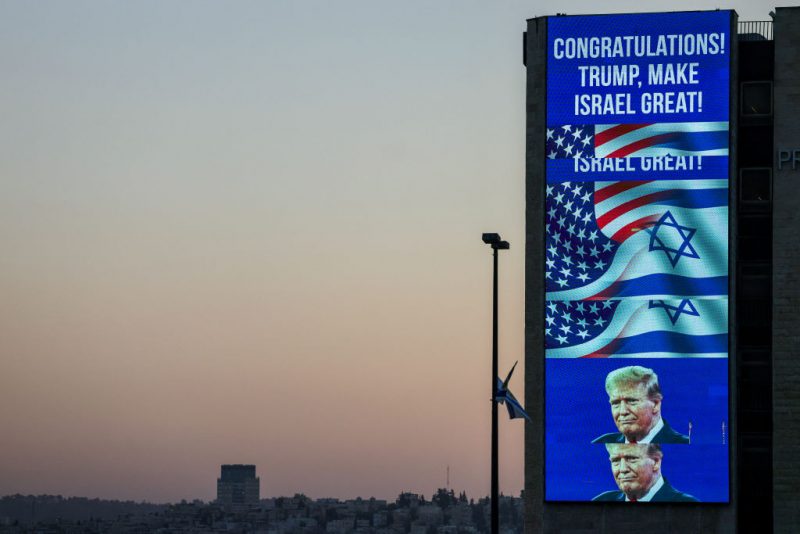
(495, 241)
(491, 239)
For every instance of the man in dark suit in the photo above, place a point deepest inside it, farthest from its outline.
(637, 472)
(635, 398)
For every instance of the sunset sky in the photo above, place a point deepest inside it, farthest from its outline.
(249, 232)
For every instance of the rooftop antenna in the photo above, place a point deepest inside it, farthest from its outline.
(448, 477)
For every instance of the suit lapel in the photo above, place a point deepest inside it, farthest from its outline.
(666, 493)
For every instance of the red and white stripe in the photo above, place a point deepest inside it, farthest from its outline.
(625, 140)
(624, 208)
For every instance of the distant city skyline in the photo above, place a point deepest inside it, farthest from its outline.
(250, 233)
(445, 512)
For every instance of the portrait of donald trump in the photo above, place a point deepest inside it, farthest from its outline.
(636, 401)
(637, 471)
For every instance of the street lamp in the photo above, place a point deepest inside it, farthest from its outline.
(496, 244)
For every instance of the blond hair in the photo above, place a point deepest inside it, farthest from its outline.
(653, 449)
(632, 375)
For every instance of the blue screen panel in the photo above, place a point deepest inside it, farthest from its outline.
(636, 274)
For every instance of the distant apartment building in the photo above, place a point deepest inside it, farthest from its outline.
(430, 515)
(238, 485)
(401, 517)
(380, 519)
(340, 526)
(459, 514)
(408, 500)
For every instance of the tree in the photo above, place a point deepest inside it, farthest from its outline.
(443, 498)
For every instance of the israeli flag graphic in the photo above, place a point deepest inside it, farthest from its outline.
(644, 239)
(636, 328)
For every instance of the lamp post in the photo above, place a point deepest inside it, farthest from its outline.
(497, 244)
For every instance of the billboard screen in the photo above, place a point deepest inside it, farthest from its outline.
(636, 274)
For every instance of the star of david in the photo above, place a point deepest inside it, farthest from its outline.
(674, 312)
(671, 234)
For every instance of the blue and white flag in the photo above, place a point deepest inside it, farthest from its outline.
(645, 239)
(638, 140)
(504, 396)
(655, 151)
(635, 328)
(515, 409)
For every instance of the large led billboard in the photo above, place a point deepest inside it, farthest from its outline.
(636, 252)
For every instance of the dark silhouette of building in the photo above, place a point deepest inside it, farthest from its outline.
(238, 485)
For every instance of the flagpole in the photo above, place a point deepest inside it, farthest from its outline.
(497, 244)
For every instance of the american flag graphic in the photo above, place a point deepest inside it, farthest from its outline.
(636, 328)
(623, 208)
(637, 140)
(636, 267)
(571, 323)
(577, 250)
(636, 238)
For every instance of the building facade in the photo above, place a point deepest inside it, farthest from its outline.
(238, 485)
(764, 292)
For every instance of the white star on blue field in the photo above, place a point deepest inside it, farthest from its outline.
(569, 323)
(577, 251)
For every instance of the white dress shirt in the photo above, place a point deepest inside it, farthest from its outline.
(650, 435)
(653, 490)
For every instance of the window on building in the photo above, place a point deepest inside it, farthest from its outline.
(755, 185)
(758, 356)
(756, 98)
